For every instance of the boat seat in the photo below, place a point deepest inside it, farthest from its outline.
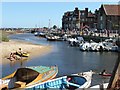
(20, 84)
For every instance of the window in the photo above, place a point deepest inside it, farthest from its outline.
(74, 18)
(82, 19)
(101, 26)
(101, 17)
(69, 19)
(82, 13)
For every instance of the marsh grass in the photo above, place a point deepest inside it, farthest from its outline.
(3, 36)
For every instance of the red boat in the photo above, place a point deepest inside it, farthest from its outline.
(105, 74)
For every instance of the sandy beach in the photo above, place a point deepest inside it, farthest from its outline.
(12, 46)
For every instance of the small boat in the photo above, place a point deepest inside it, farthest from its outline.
(24, 77)
(51, 39)
(23, 54)
(107, 74)
(72, 82)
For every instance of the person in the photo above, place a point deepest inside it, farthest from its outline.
(103, 72)
(12, 56)
(20, 51)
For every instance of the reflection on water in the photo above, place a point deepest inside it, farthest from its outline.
(68, 59)
(20, 62)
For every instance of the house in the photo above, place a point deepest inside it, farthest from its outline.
(108, 17)
(71, 20)
(77, 19)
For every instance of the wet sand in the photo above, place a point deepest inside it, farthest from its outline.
(12, 46)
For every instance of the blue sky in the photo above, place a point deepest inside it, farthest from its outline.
(30, 14)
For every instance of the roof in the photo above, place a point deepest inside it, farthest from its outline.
(86, 26)
(112, 9)
(40, 69)
(90, 14)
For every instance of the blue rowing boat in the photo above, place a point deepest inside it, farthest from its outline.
(74, 81)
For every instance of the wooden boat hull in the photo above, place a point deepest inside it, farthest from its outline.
(80, 80)
(25, 77)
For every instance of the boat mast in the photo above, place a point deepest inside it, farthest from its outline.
(49, 24)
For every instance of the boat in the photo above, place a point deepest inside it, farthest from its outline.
(54, 38)
(51, 38)
(72, 82)
(24, 77)
(99, 87)
(107, 74)
(85, 46)
(22, 54)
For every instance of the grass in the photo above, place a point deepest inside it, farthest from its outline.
(3, 36)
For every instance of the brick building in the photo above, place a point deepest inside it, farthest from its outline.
(71, 20)
(77, 19)
(87, 18)
(108, 17)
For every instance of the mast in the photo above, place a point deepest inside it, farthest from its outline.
(49, 24)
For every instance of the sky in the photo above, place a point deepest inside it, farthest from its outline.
(40, 14)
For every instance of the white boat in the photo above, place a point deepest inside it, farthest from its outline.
(93, 46)
(85, 46)
(75, 41)
(99, 87)
(74, 81)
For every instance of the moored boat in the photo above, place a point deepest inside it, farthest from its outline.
(107, 75)
(53, 38)
(99, 87)
(73, 81)
(24, 77)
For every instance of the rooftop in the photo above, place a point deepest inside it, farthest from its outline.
(112, 9)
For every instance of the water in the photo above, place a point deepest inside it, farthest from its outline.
(68, 59)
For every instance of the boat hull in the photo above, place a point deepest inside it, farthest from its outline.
(106, 75)
(23, 79)
(81, 80)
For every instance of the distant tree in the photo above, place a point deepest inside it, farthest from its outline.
(45, 27)
(54, 27)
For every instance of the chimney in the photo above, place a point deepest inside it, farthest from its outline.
(76, 8)
(86, 11)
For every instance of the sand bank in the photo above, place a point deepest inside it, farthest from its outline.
(12, 46)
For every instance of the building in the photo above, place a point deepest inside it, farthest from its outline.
(108, 17)
(71, 20)
(87, 19)
(78, 19)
